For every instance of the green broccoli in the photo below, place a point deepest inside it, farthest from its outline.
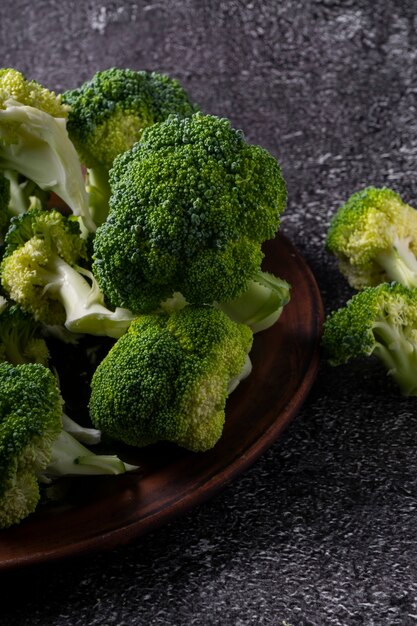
(168, 378)
(40, 272)
(374, 237)
(107, 116)
(34, 141)
(191, 204)
(381, 321)
(33, 446)
(20, 336)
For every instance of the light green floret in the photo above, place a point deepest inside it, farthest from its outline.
(34, 141)
(40, 272)
(168, 378)
(33, 446)
(107, 116)
(381, 321)
(374, 237)
(191, 205)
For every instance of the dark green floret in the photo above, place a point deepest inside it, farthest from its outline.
(108, 115)
(168, 378)
(33, 446)
(374, 237)
(40, 271)
(379, 321)
(191, 204)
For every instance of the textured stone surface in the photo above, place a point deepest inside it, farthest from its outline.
(322, 530)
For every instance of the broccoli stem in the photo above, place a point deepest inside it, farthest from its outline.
(398, 354)
(98, 188)
(400, 264)
(83, 302)
(262, 303)
(70, 457)
(80, 433)
(19, 202)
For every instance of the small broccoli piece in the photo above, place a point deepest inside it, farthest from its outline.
(191, 204)
(374, 237)
(39, 271)
(20, 336)
(168, 378)
(34, 141)
(381, 321)
(33, 446)
(107, 116)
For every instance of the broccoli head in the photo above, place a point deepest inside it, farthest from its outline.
(374, 237)
(191, 204)
(168, 378)
(33, 445)
(40, 272)
(107, 116)
(382, 321)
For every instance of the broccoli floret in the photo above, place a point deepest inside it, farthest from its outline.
(191, 204)
(20, 336)
(33, 446)
(374, 237)
(168, 378)
(381, 321)
(107, 116)
(39, 271)
(34, 141)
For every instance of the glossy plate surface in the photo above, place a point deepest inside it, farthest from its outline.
(102, 513)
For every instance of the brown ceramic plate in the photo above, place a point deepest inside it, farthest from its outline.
(102, 513)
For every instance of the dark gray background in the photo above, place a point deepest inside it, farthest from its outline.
(322, 530)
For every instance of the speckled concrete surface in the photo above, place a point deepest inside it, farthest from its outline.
(322, 530)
